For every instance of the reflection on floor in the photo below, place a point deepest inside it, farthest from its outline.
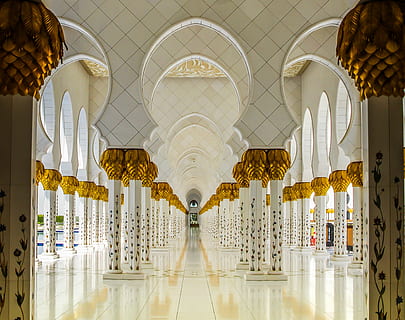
(196, 281)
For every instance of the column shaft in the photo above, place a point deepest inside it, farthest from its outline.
(320, 224)
(69, 222)
(276, 225)
(114, 226)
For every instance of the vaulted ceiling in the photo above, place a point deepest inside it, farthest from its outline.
(197, 82)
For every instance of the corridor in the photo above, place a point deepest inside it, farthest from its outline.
(194, 280)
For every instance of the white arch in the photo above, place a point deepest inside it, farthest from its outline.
(82, 144)
(343, 112)
(323, 137)
(199, 57)
(47, 110)
(307, 146)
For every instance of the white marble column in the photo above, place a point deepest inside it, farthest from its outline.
(97, 215)
(294, 220)
(384, 205)
(69, 186)
(287, 217)
(134, 225)
(164, 224)
(339, 181)
(85, 209)
(113, 162)
(303, 191)
(320, 186)
(50, 181)
(125, 219)
(147, 210)
(18, 119)
(355, 174)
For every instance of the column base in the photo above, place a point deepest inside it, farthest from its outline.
(303, 249)
(340, 258)
(241, 266)
(67, 252)
(355, 268)
(147, 265)
(320, 253)
(48, 256)
(261, 276)
(277, 276)
(84, 248)
(230, 250)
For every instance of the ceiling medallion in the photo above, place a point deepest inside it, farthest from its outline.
(195, 68)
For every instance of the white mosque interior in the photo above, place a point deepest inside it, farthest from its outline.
(205, 159)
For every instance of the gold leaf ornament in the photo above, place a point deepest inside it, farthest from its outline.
(31, 45)
(371, 47)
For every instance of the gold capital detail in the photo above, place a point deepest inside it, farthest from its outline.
(302, 190)
(164, 190)
(265, 179)
(39, 171)
(125, 179)
(31, 45)
(339, 180)
(288, 194)
(279, 163)
(374, 55)
(224, 190)
(355, 173)
(240, 174)
(256, 163)
(105, 194)
(150, 175)
(320, 186)
(69, 185)
(51, 179)
(154, 191)
(122, 199)
(112, 161)
(85, 189)
(268, 201)
(235, 192)
(137, 161)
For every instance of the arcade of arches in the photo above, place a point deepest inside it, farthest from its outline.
(203, 159)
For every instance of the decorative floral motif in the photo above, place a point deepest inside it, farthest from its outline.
(398, 242)
(3, 260)
(379, 246)
(19, 254)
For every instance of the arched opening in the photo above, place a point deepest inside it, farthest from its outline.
(307, 146)
(323, 136)
(82, 145)
(343, 111)
(66, 135)
(47, 111)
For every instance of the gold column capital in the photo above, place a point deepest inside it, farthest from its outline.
(375, 63)
(279, 163)
(122, 198)
(268, 199)
(224, 190)
(320, 185)
(69, 184)
(112, 161)
(136, 161)
(265, 179)
(154, 191)
(85, 189)
(256, 163)
(215, 200)
(302, 190)
(51, 179)
(151, 174)
(339, 180)
(39, 171)
(240, 174)
(32, 46)
(172, 198)
(288, 194)
(125, 179)
(235, 192)
(355, 173)
(164, 190)
(105, 194)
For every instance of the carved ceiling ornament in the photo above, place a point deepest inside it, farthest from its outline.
(195, 68)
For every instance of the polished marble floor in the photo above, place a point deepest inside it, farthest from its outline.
(195, 281)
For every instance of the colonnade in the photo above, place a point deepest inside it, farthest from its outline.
(132, 216)
(242, 217)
